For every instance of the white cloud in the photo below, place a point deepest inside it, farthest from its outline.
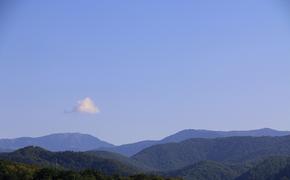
(87, 106)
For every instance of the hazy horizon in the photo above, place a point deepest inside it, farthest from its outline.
(127, 71)
(157, 139)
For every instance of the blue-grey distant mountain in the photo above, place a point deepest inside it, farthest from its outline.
(131, 149)
(191, 133)
(57, 142)
(84, 142)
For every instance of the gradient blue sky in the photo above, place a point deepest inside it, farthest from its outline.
(153, 67)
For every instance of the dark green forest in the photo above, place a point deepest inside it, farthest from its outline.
(231, 158)
(273, 168)
(19, 171)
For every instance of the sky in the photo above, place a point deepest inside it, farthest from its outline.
(127, 70)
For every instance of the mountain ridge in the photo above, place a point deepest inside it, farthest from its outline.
(86, 142)
(57, 142)
(170, 156)
(105, 162)
(133, 148)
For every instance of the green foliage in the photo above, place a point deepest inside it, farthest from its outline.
(234, 158)
(269, 169)
(17, 171)
(11, 171)
(205, 170)
(108, 163)
(284, 173)
(174, 156)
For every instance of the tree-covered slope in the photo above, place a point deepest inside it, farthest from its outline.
(37, 163)
(272, 168)
(18, 171)
(74, 160)
(15, 171)
(118, 157)
(205, 170)
(231, 149)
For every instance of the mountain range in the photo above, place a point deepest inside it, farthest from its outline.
(133, 148)
(224, 158)
(171, 156)
(85, 142)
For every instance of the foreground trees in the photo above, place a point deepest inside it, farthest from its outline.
(18, 171)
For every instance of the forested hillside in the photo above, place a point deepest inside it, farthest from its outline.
(231, 158)
(18, 171)
(108, 164)
(231, 149)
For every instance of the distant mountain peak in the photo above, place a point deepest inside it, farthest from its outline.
(57, 142)
(266, 129)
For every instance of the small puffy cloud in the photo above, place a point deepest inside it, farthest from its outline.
(87, 106)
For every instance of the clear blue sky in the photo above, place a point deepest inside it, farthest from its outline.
(153, 67)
